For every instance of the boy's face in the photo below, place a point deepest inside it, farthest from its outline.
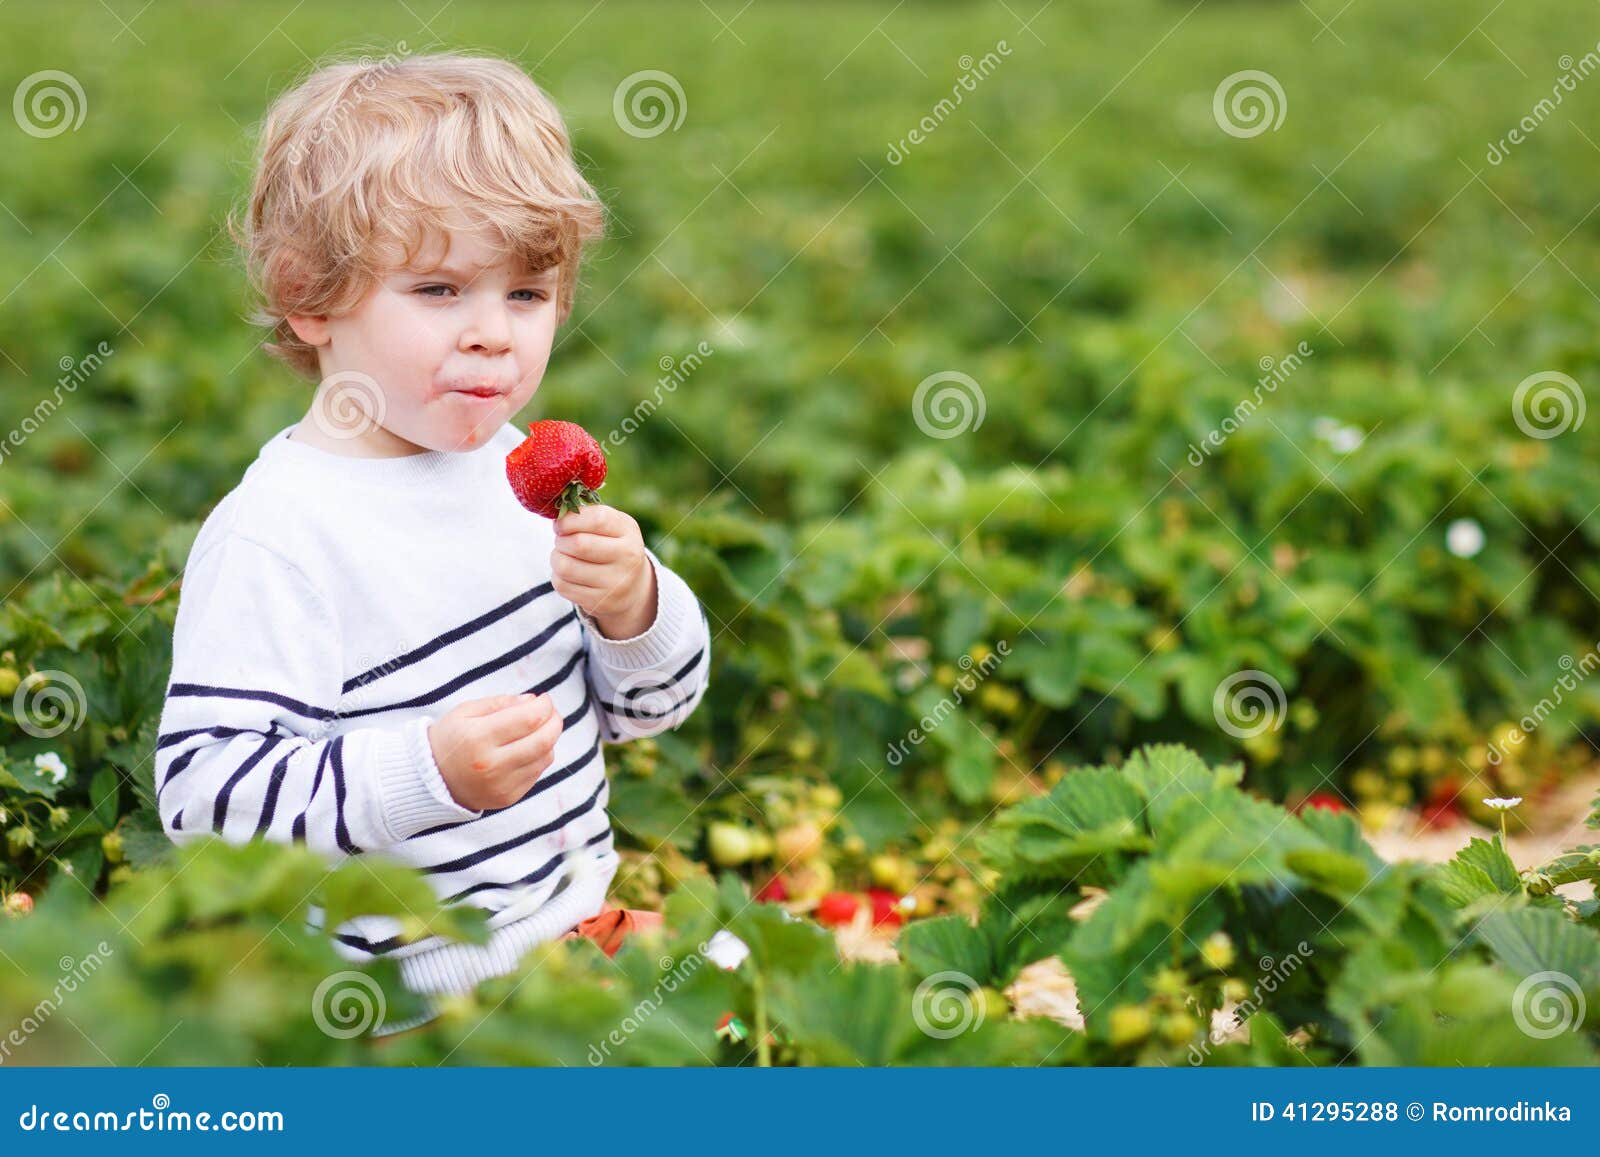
(456, 345)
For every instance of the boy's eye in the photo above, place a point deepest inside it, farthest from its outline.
(428, 290)
(532, 294)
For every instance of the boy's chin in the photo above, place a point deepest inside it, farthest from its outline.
(459, 436)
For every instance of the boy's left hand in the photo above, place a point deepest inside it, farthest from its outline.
(599, 565)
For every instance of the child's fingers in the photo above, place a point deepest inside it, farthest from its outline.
(586, 544)
(576, 572)
(475, 708)
(534, 748)
(513, 722)
(597, 517)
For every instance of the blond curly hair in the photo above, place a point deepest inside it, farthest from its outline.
(365, 161)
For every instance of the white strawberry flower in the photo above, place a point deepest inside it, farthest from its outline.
(1347, 439)
(726, 950)
(1503, 804)
(51, 764)
(1341, 438)
(1464, 538)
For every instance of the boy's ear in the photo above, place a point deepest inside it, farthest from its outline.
(311, 329)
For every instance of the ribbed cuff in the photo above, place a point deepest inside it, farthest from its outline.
(411, 793)
(676, 611)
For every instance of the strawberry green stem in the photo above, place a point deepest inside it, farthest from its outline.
(763, 1045)
(574, 497)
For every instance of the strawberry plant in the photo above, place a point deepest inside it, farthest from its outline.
(940, 652)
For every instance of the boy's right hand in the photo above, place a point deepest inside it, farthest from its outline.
(491, 751)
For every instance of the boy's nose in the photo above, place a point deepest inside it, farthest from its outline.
(487, 331)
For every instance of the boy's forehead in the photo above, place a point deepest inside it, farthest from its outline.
(459, 251)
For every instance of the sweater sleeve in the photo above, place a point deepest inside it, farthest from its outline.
(652, 682)
(246, 746)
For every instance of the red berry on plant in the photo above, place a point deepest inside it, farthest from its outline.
(837, 908)
(557, 468)
(885, 907)
(1325, 800)
(774, 891)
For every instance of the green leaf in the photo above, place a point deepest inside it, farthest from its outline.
(104, 796)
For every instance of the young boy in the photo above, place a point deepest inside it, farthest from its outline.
(377, 648)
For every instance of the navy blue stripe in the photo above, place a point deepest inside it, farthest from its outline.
(634, 692)
(165, 741)
(274, 785)
(451, 636)
(533, 877)
(341, 833)
(219, 813)
(473, 675)
(201, 691)
(178, 765)
(299, 831)
(560, 676)
(677, 676)
(516, 841)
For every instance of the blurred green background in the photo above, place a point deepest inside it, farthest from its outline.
(1080, 236)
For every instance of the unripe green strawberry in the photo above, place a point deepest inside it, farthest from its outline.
(1179, 1027)
(1128, 1024)
(1217, 951)
(730, 845)
(9, 682)
(994, 1003)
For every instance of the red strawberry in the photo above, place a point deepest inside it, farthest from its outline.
(1324, 799)
(885, 907)
(837, 908)
(774, 891)
(1442, 808)
(557, 469)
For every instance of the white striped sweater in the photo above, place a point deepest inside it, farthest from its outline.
(334, 607)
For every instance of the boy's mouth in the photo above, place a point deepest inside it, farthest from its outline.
(478, 390)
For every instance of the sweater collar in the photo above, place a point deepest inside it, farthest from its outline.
(431, 469)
